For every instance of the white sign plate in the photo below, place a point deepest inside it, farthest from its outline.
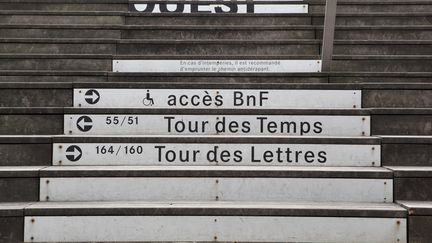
(216, 66)
(218, 99)
(211, 189)
(111, 124)
(206, 228)
(216, 154)
(232, 8)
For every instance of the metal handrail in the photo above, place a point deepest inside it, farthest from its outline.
(328, 36)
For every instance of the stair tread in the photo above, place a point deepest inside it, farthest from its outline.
(216, 171)
(420, 208)
(216, 208)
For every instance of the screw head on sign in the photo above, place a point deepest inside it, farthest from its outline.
(60, 161)
(47, 181)
(60, 146)
(32, 220)
(47, 198)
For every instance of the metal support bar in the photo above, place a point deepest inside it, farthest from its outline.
(328, 36)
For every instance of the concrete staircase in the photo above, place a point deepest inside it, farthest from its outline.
(121, 125)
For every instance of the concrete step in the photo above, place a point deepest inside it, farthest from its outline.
(60, 94)
(396, 63)
(101, 31)
(371, 95)
(112, 5)
(275, 122)
(256, 32)
(203, 221)
(213, 151)
(68, 17)
(314, 6)
(419, 220)
(106, 17)
(19, 184)
(352, 19)
(61, 62)
(353, 6)
(49, 78)
(283, 64)
(26, 150)
(220, 183)
(412, 183)
(341, 63)
(407, 150)
(395, 150)
(210, 47)
(26, 121)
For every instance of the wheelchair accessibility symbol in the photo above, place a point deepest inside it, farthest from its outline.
(148, 100)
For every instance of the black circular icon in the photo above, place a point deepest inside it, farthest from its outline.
(84, 123)
(73, 153)
(92, 96)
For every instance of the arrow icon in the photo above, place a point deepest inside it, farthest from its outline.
(92, 96)
(84, 123)
(73, 153)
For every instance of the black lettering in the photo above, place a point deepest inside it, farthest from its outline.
(322, 157)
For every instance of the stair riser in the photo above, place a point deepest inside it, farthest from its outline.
(19, 190)
(404, 189)
(381, 34)
(206, 125)
(401, 65)
(64, 6)
(60, 97)
(207, 229)
(216, 125)
(407, 154)
(282, 20)
(31, 154)
(60, 33)
(212, 34)
(56, 19)
(213, 20)
(420, 125)
(11, 229)
(418, 102)
(56, 64)
(216, 189)
(364, 8)
(419, 228)
(35, 97)
(45, 48)
(227, 49)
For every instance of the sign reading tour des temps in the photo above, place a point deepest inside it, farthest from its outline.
(233, 7)
(216, 154)
(217, 99)
(216, 66)
(162, 124)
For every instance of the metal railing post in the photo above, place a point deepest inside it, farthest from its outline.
(328, 36)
